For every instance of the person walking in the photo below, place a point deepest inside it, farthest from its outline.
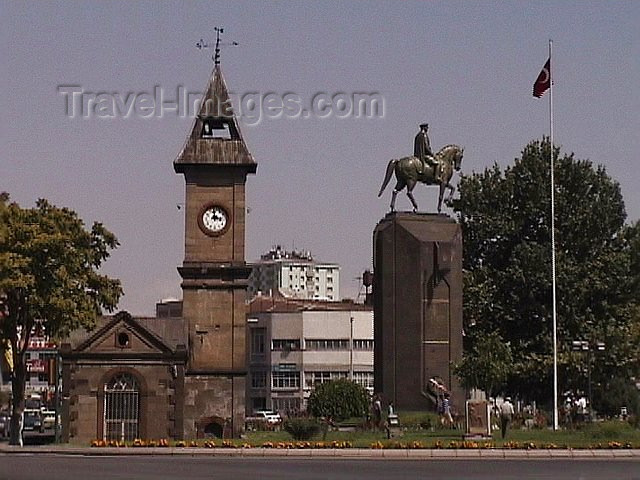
(377, 412)
(446, 410)
(506, 414)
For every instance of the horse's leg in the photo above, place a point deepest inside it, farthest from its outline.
(410, 185)
(399, 186)
(452, 190)
(441, 194)
(393, 200)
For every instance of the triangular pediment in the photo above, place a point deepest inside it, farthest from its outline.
(123, 335)
(215, 137)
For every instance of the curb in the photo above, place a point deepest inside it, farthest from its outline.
(346, 453)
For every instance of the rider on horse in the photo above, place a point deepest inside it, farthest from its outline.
(422, 151)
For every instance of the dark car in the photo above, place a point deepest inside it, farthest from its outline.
(32, 421)
(5, 424)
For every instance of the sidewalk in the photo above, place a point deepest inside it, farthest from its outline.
(360, 453)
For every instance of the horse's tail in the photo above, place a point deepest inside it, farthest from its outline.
(387, 176)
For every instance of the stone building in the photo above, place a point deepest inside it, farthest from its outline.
(124, 380)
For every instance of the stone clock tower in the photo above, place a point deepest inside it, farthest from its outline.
(215, 163)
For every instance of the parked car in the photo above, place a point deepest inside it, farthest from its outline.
(271, 417)
(5, 424)
(32, 421)
(48, 419)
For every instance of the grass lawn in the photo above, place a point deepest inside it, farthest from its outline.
(589, 436)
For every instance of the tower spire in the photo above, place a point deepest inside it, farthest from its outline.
(215, 136)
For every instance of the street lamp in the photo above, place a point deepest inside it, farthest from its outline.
(351, 349)
(585, 346)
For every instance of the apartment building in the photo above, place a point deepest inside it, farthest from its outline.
(294, 274)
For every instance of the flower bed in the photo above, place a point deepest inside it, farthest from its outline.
(378, 445)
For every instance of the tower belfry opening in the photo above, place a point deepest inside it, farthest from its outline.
(219, 128)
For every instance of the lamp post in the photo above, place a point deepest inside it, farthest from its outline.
(351, 349)
(58, 397)
(586, 347)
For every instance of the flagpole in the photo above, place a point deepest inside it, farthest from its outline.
(553, 246)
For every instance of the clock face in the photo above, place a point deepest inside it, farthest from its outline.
(214, 220)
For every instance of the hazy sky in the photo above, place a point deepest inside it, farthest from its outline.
(467, 68)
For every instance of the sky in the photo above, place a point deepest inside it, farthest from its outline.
(466, 68)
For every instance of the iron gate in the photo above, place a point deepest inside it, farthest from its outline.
(121, 408)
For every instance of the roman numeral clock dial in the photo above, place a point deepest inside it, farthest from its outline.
(213, 220)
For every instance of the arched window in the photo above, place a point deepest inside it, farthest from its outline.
(213, 430)
(121, 408)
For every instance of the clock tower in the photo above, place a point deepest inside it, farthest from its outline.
(215, 163)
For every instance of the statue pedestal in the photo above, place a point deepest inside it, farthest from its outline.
(417, 264)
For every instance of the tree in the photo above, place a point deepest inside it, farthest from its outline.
(619, 392)
(632, 237)
(505, 219)
(49, 281)
(339, 399)
(486, 366)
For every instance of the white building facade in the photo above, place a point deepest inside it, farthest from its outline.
(294, 346)
(294, 275)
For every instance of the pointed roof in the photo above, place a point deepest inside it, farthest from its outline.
(124, 318)
(216, 108)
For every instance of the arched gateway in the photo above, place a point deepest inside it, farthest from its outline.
(122, 408)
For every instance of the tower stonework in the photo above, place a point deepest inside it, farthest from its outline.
(215, 163)
(417, 308)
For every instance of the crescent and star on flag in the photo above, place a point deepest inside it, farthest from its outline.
(543, 82)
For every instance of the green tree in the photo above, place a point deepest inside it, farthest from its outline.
(505, 218)
(487, 364)
(49, 281)
(619, 392)
(339, 399)
(632, 239)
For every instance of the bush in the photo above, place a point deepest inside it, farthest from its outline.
(339, 399)
(612, 430)
(420, 420)
(302, 428)
(541, 420)
(619, 392)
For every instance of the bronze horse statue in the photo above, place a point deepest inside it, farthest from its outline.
(406, 170)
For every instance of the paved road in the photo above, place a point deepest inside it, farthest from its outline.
(60, 467)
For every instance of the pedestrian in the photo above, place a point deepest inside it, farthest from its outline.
(446, 410)
(506, 414)
(377, 412)
(581, 409)
(440, 402)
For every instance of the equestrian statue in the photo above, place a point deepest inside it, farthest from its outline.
(423, 166)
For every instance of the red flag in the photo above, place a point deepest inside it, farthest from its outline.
(543, 82)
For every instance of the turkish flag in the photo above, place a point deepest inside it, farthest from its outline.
(543, 82)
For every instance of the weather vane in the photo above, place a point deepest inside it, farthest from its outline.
(216, 56)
